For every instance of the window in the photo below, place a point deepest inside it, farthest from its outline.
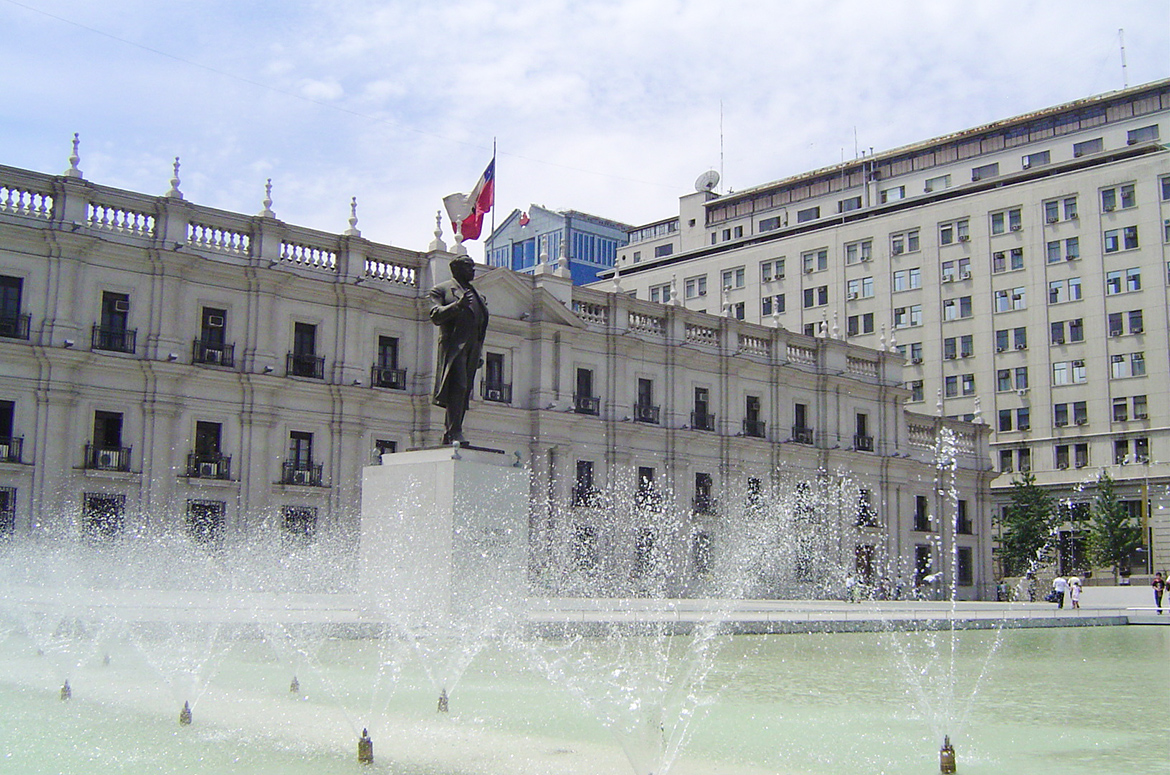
(908, 316)
(1071, 250)
(892, 194)
(1020, 338)
(1164, 184)
(1012, 299)
(663, 250)
(810, 214)
(771, 224)
(1144, 134)
(772, 305)
(1003, 380)
(1068, 372)
(1096, 145)
(205, 521)
(907, 279)
(921, 514)
(772, 270)
(1123, 195)
(1022, 418)
(703, 503)
(917, 393)
(736, 310)
(904, 242)
(951, 386)
(660, 293)
(1120, 409)
(984, 172)
(1127, 365)
(815, 260)
(1004, 260)
(956, 270)
(1139, 408)
(303, 361)
(1123, 281)
(112, 332)
(938, 184)
(858, 251)
(1060, 291)
(954, 231)
(733, 278)
(1003, 221)
(1038, 159)
(859, 288)
(816, 297)
(1060, 415)
(852, 203)
(299, 522)
(695, 287)
(752, 424)
(968, 382)
(859, 324)
(12, 323)
(1141, 451)
(954, 309)
(1081, 455)
(1121, 239)
(102, 515)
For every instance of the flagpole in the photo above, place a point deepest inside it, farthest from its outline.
(496, 197)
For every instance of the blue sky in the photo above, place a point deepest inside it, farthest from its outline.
(608, 107)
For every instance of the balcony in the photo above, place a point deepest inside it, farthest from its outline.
(209, 466)
(302, 473)
(754, 429)
(498, 392)
(863, 443)
(107, 458)
(118, 340)
(10, 449)
(587, 404)
(802, 435)
(213, 353)
(586, 496)
(14, 326)
(310, 366)
(646, 413)
(387, 377)
(701, 421)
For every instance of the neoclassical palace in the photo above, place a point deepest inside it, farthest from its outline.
(168, 366)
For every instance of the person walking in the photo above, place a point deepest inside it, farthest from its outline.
(1159, 585)
(1060, 587)
(1074, 591)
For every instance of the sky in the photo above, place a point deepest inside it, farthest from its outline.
(608, 107)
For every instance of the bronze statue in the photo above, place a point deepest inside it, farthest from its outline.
(462, 317)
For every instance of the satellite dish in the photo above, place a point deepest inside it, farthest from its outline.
(707, 181)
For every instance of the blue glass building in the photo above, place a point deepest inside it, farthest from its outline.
(592, 242)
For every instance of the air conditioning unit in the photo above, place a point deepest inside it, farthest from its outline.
(916, 360)
(897, 251)
(1060, 423)
(121, 305)
(965, 355)
(1078, 364)
(1109, 208)
(702, 293)
(1022, 392)
(948, 278)
(1074, 217)
(494, 394)
(1071, 258)
(1059, 340)
(1062, 466)
(106, 459)
(964, 275)
(779, 276)
(1140, 416)
(1137, 330)
(950, 356)
(215, 321)
(1000, 349)
(866, 258)
(1115, 332)
(1021, 347)
(209, 470)
(964, 238)
(1016, 227)
(853, 296)
(1026, 165)
(300, 477)
(213, 356)
(1053, 219)
(1082, 420)
(809, 270)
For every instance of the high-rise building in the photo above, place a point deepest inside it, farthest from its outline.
(1021, 268)
(525, 240)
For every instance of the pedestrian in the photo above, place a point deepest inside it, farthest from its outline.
(1159, 585)
(1060, 587)
(1031, 577)
(1074, 591)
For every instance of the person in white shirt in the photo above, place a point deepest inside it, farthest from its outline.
(1060, 586)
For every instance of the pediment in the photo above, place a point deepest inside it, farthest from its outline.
(511, 294)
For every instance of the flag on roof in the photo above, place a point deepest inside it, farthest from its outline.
(467, 211)
(524, 219)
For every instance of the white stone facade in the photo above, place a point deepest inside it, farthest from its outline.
(1023, 265)
(170, 366)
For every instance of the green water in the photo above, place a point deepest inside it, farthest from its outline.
(1078, 701)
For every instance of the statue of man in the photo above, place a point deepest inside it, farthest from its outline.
(462, 317)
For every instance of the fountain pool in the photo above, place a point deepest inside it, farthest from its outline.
(1074, 700)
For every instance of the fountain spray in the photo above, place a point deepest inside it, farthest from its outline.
(185, 714)
(365, 748)
(946, 756)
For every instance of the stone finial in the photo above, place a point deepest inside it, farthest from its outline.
(352, 231)
(776, 315)
(563, 261)
(437, 243)
(74, 158)
(175, 193)
(978, 411)
(938, 407)
(674, 297)
(617, 279)
(882, 340)
(267, 211)
(460, 248)
(836, 330)
(893, 341)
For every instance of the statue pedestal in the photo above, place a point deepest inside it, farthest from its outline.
(444, 536)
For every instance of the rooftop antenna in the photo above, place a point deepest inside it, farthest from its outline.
(720, 139)
(1124, 72)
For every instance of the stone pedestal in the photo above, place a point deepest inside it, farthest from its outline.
(444, 536)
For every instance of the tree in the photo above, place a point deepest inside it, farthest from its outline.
(1113, 534)
(1026, 526)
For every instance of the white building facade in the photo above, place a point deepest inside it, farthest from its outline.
(1021, 269)
(166, 366)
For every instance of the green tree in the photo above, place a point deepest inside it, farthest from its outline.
(1113, 532)
(1026, 526)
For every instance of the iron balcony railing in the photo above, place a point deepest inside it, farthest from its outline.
(753, 428)
(586, 404)
(209, 466)
(119, 340)
(300, 365)
(497, 391)
(388, 377)
(802, 435)
(15, 326)
(646, 413)
(298, 472)
(701, 421)
(10, 449)
(213, 353)
(102, 458)
(863, 443)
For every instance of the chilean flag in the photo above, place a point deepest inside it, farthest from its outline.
(467, 212)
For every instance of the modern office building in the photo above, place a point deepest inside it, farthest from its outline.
(1021, 268)
(167, 366)
(526, 239)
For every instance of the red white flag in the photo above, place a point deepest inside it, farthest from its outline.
(524, 219)
(467, 212)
